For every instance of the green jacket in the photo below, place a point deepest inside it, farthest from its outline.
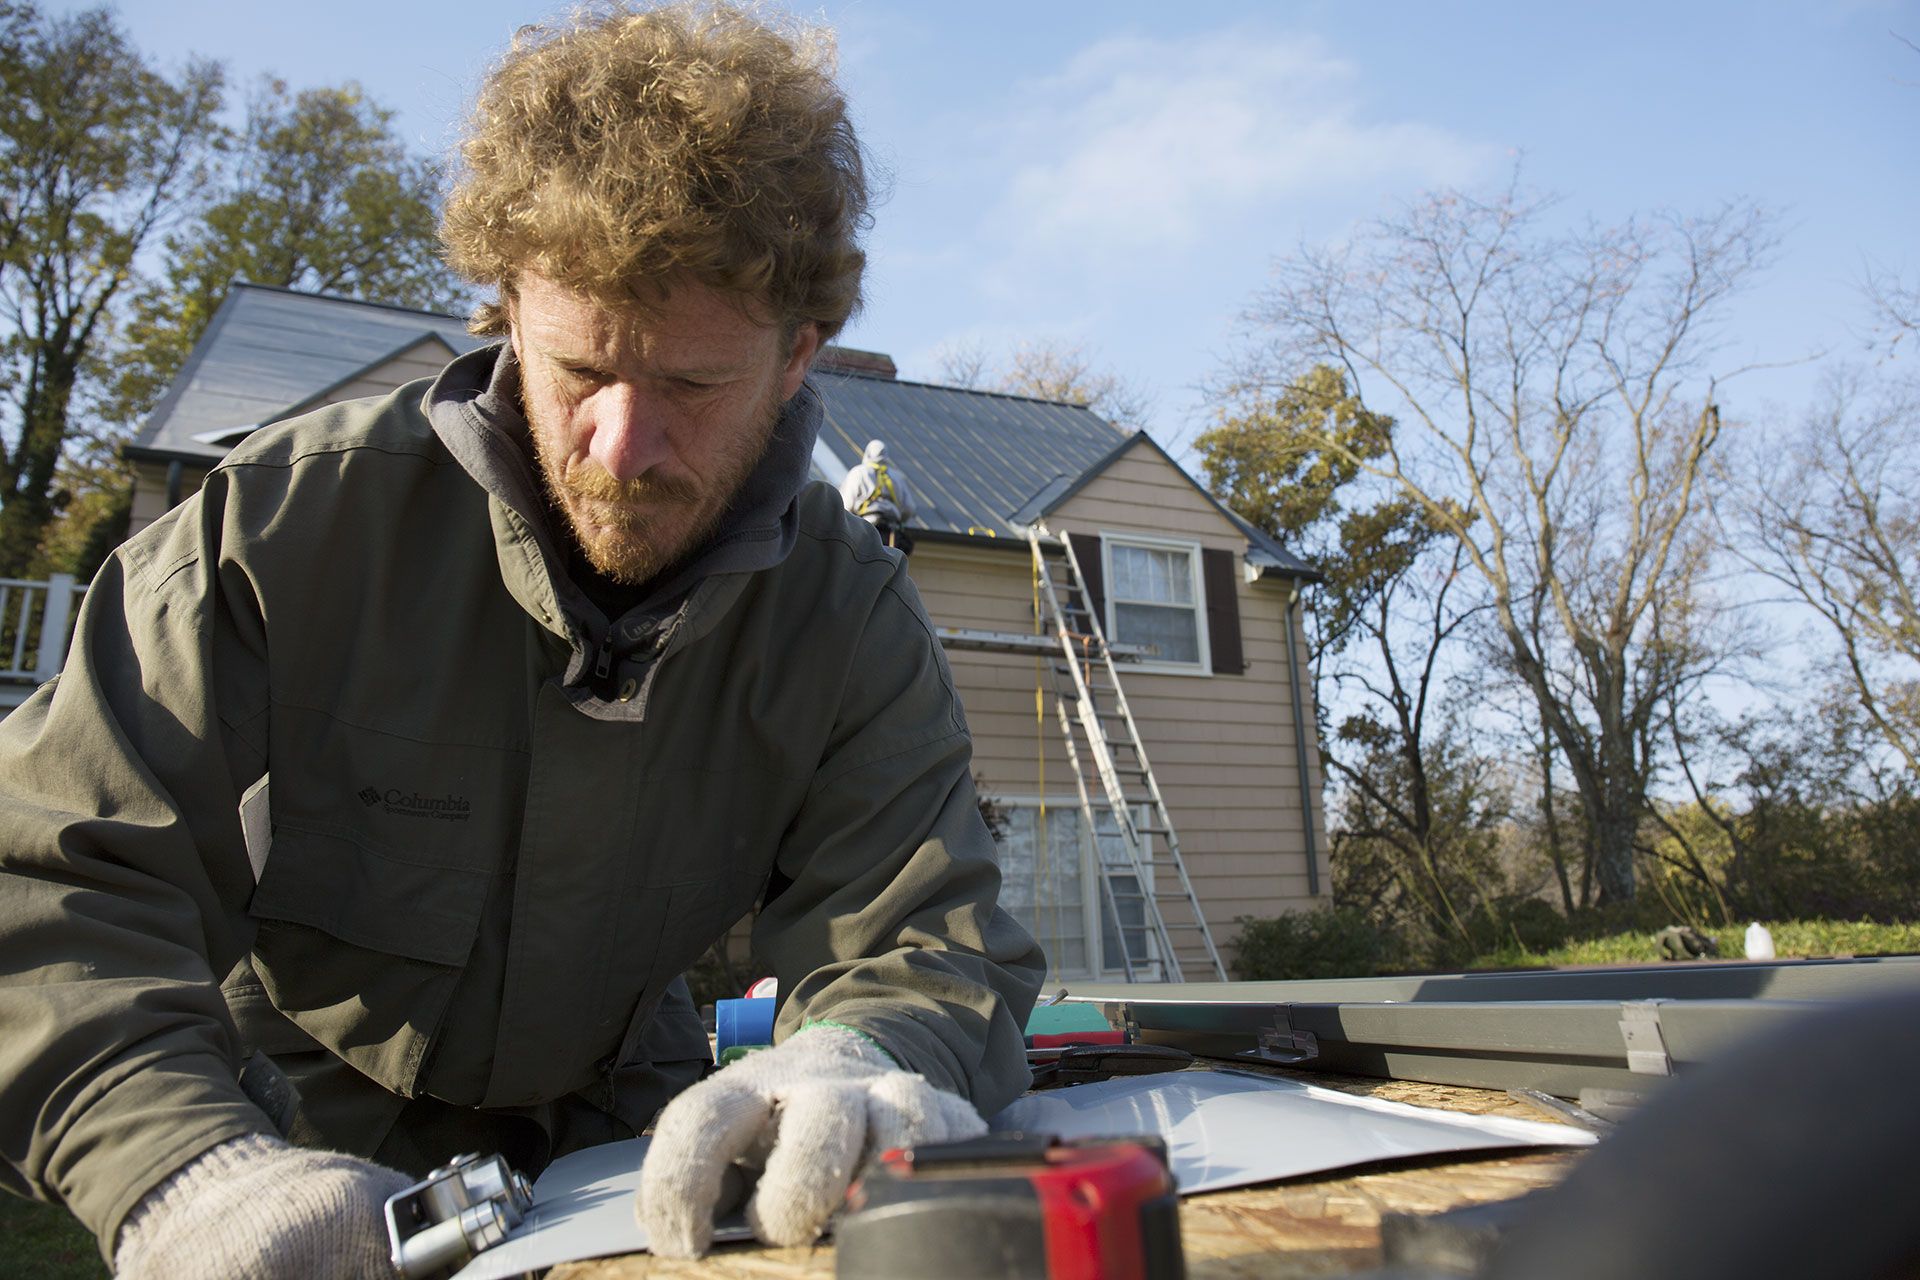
(498, 825)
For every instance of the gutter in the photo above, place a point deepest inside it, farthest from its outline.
(1294, 601)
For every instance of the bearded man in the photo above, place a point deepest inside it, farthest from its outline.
(412, 761)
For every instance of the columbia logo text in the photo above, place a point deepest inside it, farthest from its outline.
(413, 804)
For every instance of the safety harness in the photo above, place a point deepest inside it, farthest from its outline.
(882, 488)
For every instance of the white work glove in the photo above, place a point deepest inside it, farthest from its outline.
(809, 1112)
(258, 1209)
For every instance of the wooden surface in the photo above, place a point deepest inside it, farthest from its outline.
(1313, 1226)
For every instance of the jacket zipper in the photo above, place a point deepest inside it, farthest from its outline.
(603, 661)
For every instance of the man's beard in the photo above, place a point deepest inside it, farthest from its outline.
(631, 530)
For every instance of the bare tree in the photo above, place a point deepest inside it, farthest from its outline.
(1048, 370)
(1835, 518)
(1561, 419)
(1896, 308)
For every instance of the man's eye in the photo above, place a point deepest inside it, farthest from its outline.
(584, 373)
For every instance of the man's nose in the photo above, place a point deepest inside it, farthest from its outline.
(629, 432)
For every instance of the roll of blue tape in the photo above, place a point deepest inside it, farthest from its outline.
(742, 1022)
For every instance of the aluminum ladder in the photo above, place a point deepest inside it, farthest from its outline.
(1100, 722)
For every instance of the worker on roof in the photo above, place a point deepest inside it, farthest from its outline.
(877, 493)
(396, 777)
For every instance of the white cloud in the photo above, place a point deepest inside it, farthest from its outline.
(1158, 145)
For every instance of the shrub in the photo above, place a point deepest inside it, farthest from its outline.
(1327, 942)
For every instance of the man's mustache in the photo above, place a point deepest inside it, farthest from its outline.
(595, 484)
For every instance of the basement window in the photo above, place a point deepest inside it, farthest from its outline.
(1155, 597)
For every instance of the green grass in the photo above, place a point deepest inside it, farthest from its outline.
(43, 1242)
(1791, 939)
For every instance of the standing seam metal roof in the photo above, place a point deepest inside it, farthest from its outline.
(972, 458)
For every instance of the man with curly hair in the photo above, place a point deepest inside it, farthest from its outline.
(395, 778)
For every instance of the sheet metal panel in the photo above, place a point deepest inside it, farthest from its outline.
(1723, 980)
(1560, 1047)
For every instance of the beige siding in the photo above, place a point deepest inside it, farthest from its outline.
(150, 492)
(1222, 747)
(424, 359)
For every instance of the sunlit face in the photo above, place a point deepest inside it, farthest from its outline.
(646, 426)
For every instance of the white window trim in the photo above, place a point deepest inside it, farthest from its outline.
(1204, 667)
(1093, 926)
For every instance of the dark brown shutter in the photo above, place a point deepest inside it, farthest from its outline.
(1086, 549)
(1219, 570)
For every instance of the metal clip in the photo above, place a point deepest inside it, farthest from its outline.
(1281, 1045)
(463, 1208)
(1646, 1044)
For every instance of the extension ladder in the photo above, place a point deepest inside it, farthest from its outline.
(1094, 718)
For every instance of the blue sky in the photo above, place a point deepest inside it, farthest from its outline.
(1121, 175)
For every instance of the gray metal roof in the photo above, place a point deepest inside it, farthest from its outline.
(973, 458)
(268, 349)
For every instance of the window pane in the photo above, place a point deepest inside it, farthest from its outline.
(1179, 565)
(1041, 885)
(1126, 898)
(1129, 572)
(1171, 630)
(1132, 909)
(1152, 575)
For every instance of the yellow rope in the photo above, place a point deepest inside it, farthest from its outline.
(1041, 844)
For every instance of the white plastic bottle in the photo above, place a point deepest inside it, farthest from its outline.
(1759, 942)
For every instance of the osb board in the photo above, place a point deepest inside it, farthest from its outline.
(1302, 1227)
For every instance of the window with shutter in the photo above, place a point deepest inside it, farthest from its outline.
(1155, 596)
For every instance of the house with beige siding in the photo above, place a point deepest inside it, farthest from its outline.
(1208, 606)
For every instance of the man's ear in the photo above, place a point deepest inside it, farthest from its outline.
(806, 345)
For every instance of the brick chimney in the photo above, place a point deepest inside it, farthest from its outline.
(861, 364)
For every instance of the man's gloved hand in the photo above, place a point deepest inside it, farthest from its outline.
(258, 1208)
(809, 1112)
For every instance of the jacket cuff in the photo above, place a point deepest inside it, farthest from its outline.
(868, 1037)
(143, 1130)
(916, 1048)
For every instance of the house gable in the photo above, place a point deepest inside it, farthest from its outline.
(422, 357)
(269, 349)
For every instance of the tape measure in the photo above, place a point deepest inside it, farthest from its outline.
(1014, 1205)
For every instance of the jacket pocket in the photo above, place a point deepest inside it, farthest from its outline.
(341, 884)
(360, 947)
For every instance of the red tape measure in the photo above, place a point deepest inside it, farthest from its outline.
(1014, 1205)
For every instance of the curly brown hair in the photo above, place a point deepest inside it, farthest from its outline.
(632, 145)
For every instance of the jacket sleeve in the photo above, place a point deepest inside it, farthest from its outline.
(124, 881)
(885, 916)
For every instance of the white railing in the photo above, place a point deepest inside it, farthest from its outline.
(36, 625)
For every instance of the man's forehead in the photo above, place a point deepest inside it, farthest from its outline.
(686, 320)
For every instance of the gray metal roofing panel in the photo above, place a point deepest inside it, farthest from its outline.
(270, 348)
(971, 457)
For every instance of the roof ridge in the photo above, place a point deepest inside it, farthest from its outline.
(319, 296)
(1004, 395)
